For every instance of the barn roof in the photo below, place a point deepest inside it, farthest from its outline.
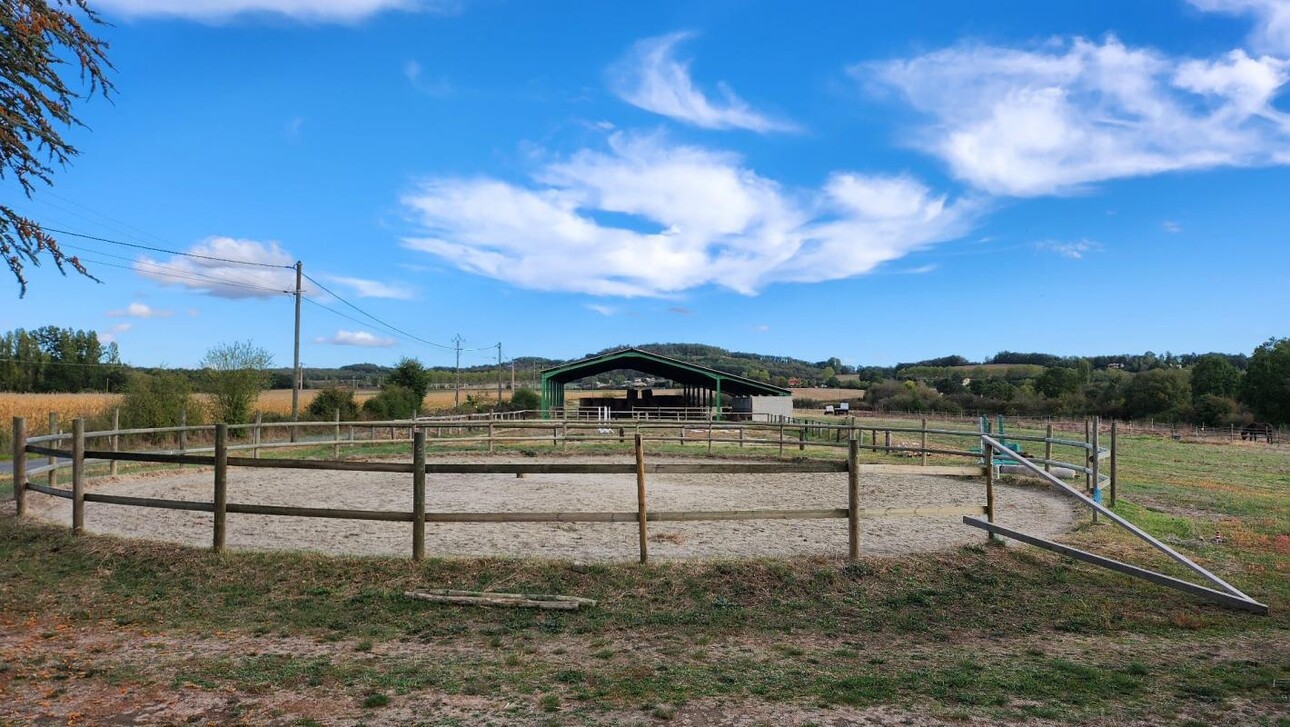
(654, 364)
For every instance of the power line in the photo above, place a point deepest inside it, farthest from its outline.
(164, 250)
(28, 362)
(397, 330)
(191, 276)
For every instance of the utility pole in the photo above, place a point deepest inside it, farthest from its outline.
(456, 397)
(296, 383)
(499, 373)
(512, 377)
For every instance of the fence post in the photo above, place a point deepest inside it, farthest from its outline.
(741, 436)
(988, 450)
(490, 436)
(53, 461)
(335, 436)
(924, 444)
(183, 431)
(886, 441)
(20, 465)
(564, 435)
(116, 439)
(1088, 460)
(781, 439)
(78, 475)
(221, 486)
(853, 497)
(709, 434)
(255, 435)
(1114, 470)
(641, 515)
(418, 494)
(1048, 447)
(1096, 462)
(801, 440)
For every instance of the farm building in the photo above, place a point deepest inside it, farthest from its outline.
(703, 391)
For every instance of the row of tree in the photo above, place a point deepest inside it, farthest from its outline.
(52, 359)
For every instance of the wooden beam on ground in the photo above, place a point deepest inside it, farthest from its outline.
(1208, 594)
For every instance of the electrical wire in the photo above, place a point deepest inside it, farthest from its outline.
(164, 250)
(395, 329)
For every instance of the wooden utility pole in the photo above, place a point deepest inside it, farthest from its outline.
(456, 397)
(499, 373)
(296, 382)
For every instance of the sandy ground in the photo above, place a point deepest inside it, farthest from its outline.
(1030, 509)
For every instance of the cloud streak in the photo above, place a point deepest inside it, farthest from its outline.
(1057, 118)
(356, 338)
(139, 310)
(245, 277)
(649, 218)
(652, 78)
(1272, 21)
(338, 11)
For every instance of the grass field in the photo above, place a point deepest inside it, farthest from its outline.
(91, 626)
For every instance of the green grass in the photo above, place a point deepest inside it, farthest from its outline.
(988, 632)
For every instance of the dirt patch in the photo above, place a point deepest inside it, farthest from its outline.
(1032, 510)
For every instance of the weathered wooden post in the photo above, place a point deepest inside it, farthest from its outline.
(987, 449)
(641, 515)
(115, 440)
(564, 435)
(53, 461)
(781, 439)
(1048, 447)
(853, 497)
(886, 444)
(221, 487)
(255, 435)
(20, 465)
(741, 436)
(709, 434)
(924, 442)
(801, 440)
(490, 436)
(1096, 461)
(418, 494)
(1088, 460)
(78, 475)
(1115, 474)
(183, 431)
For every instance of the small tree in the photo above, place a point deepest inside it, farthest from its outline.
(394, 402)
(1158, 392)
(411, 375)
(235, 374)
(1266, 387)
(1214, 375)
(329, 400)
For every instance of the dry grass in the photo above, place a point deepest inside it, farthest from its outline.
(36, 407)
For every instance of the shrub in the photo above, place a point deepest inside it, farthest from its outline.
(235, 374)
(394, 402)
(330, 399)
(525, 399)
(158, 400)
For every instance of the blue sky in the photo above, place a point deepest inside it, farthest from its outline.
(877, 182)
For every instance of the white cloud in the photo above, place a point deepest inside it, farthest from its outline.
(1171, 226)
(1062, 116)
(604, 310)
(1272, 30)
(434, 86)
(373, 288)
(226, 279)
(112, 334)
(356, 338)
(646, 218)
(1073, 250)
(306, 10)
(139, 310)
(651, 77)
(761, 328)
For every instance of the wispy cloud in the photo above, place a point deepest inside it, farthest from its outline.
(1072, 250)
(1058, 117)
(113, 334)
(343, 11)
(1272, 21)
(604, 310)
(684, 217)
(761, 328)
(246, 276)
(139, 310)
(373, 288)
(680, 310)
(431, 85)
(356, 338)
(292, 129)
(652, 78)
(1171, 226)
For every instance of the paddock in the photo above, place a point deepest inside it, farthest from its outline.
(1035, 509)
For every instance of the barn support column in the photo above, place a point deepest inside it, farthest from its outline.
(718, 397)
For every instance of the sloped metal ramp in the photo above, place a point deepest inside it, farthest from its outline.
(1225, 594)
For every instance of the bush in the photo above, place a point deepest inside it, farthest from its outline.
(525, 399)
(158, 400)
(330, 399)
(394, 402)
(1215, 411)
(234, 375)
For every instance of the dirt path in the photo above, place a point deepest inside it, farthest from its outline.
(1029, 509)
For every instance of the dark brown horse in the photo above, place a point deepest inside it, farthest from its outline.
(1256, 430)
